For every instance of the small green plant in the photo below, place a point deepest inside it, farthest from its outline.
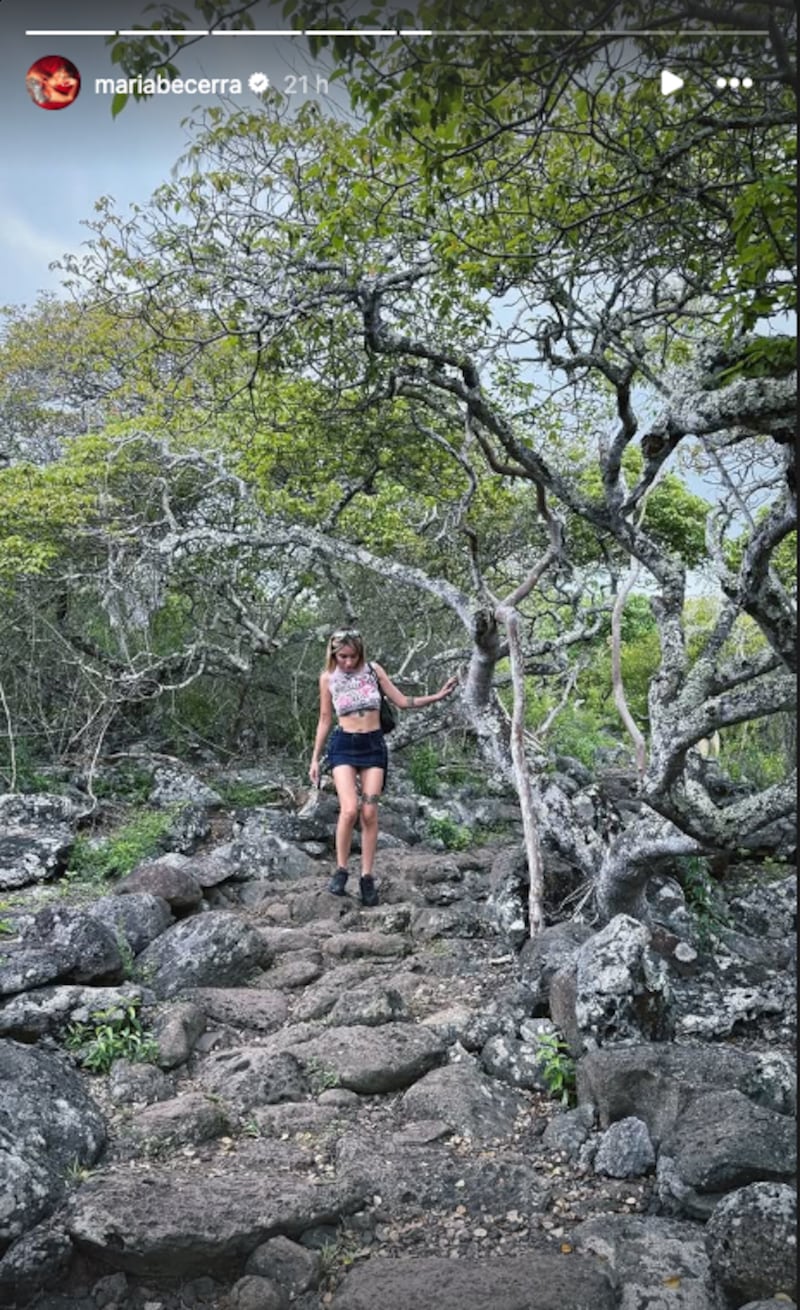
(557, 1067)
(451, 834)
(337, 1257)
(423, 769)
(118, 854)
(129, 782)
(321, 1076)
(251, 1128)
(704, 899)
(243, 795)
(76, 1173)
(112, 1034)
(6, 925)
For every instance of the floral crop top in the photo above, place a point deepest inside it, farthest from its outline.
(355, 691)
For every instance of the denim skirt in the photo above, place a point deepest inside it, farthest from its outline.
(361, 750)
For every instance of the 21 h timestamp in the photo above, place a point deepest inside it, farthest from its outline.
(300, 85)
(294, 84)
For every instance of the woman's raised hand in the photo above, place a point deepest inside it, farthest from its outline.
(448, 687)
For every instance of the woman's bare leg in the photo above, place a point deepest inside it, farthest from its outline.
(344, 780)
(371, 788)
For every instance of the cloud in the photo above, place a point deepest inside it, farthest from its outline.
(27, 253)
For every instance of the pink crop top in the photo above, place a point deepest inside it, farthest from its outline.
(356, 691)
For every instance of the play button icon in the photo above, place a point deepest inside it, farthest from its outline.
(670, 83)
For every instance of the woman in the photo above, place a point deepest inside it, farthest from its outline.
(351, 688)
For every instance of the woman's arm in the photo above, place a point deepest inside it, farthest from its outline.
(404, 702)
(323, 727)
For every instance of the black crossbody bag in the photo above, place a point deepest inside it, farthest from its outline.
(388, 712)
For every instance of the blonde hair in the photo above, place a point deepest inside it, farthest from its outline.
(339, 640)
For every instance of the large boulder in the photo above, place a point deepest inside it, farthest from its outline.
(252, 1076)
(169, 1221)
(507, 903)
(217, 949)
(615, 990)
(173, 784)
(539, 1280)
(39, 1259)
(170, 878)
(751, 1240)
(135, 919)
(657, 1083)
(471, 1104)
(372, 1060)
(720, 1142)
(655, 1262)
(86, 949)
(258, 851)
(542, 956)
(36, 836)
(48, 1125)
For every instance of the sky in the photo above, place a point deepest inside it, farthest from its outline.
(55, 164)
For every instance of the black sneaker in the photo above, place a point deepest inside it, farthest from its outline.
(337, 883)
(369, 892)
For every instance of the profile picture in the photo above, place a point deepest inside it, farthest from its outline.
(53, 82)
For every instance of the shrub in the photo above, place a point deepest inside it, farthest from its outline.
(115, 856)
(446, 830)
(704, 899)
(130, 781)
(112, 1034)
(557, 1067)
(423, 768)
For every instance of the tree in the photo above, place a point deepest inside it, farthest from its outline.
(527, 328)
(557, 291)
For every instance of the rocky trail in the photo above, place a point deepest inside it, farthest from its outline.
(348, 1107)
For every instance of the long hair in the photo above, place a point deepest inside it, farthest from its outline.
(338, 640)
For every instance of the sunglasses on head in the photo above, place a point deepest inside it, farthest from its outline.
(345, 632)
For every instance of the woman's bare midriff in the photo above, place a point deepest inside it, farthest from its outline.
(363, 721)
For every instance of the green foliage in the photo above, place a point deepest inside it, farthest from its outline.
(130, 782)
(424, 765)
(674, 516)
(760, 753)
(117, 855)
(41, 510)
(451, 834)
(703, 899)
(76, 1173)
(337, 1257)
(784, 556)
(764, 228)
(112, 1034)
(244, 794)
(28, 777)
(321, 1076)
(557, 1067)
(580, 729)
